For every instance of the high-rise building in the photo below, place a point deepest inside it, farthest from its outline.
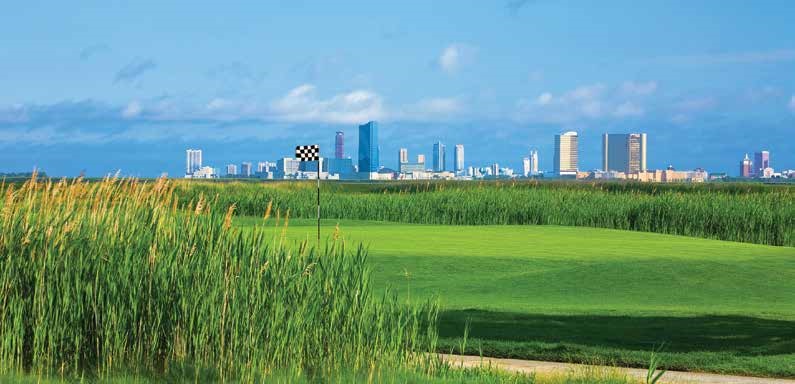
(231, 170)
(526, 166)
(287, 166)
(438, 157)
(566, 157)
(459, 158)
(746, 167)
(421, 159)
(245, 169)
(341, 167)
(403, 156)
(339, 145)
(761, 161)
(311, 166)
(368, 148)
(624, 152)
(495, 169)
(533, 162)
(193, 161)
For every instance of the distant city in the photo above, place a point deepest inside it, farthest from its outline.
(623, 158)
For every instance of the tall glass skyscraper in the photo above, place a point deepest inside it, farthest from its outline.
(624, 152)
(368, 147)
(459, 158)
(761, 161)
(339, 145)
(438, 157)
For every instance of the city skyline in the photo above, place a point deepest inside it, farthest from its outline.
(623, 157)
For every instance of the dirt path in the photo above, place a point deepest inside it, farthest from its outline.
(529, 366)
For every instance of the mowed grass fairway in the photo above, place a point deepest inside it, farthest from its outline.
(587, 294)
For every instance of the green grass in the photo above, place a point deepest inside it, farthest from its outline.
(111, 278)
(752, 213)
(586, 294)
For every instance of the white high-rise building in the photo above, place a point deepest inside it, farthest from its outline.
(566, 154)
(193, 161)
(459, 158)
(403, 156)
(526, 167)
(533, 162)
(231, 170)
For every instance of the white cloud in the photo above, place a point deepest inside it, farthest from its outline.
(219, 104)
(302, 104)
(592, 109)
(792, 103)
(440, 105)
(586, 92)
(430, 109)
(133, 109)
(456, 55)
(544, 98)
(628, 109)
(680, 118)
(639, 89)
(586, 102)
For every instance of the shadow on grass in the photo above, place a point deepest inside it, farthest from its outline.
(723, 344)
(738, 334)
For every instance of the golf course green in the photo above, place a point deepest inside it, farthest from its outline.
(587, 294)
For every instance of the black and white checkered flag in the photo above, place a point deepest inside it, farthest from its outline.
(307, 152)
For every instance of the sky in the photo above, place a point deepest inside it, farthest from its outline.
(98, 86)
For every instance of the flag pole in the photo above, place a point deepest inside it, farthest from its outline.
(318, 202)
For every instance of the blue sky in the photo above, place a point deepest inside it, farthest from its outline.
(100, 86)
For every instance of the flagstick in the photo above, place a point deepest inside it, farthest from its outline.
(318, 203)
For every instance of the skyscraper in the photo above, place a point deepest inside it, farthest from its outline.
(421, 159)
(526, 166)
(231, 170)
(339, 145)
(533, 162)
(193, 160)
(245, 169)
(566, 157)
(624, 152)
(403, 156)
(746, 167)
(761, 161)
(368, 147)
(459, 158)
(287, 166)
(438, 157)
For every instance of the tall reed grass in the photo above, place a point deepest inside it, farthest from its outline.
(115, 276)
(752, 213)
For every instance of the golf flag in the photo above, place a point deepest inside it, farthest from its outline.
(307, 152)
(312, 153)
